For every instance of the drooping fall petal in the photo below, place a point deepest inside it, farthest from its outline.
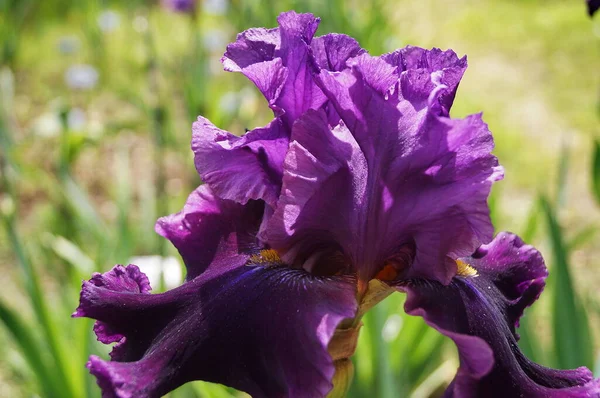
(263, 330)
(480, 310)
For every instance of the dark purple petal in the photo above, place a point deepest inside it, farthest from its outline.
(401, 174)
(210, 231)
(263, 330)
(317, 208)
(241, 168)
(122, 279)
(479, 310)
(593, 6)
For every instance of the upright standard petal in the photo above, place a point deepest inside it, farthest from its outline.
(412, 176)
(241, 168)
(317, 214)
(210, 231)
(480, 309)
(276, 61)
(446, 64)
(260, 329)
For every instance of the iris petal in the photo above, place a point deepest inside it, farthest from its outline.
(263, 330)
(321, 165)
(211, 231)
(448, 67)
(401, 174)
(428, 176)
(241, 168)
(480, 314)
(277, 62)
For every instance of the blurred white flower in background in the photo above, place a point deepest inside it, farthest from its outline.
(108, 21)
(215, 7)
(140, 23)
(229, 102)
(249, 103)
(81, 77)
(215, 39)
(156, 267)
(391, 328)
(47, 125)
(76, 119)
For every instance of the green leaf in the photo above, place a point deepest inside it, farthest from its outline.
(596, 172)
(529, 341)
(531, 224)
(494, 205)
(582, 237)
(123, 198)
(415, 351)
(71, 253)
(384, 380)
(48, 324)
(562, 177)
(571, 330)
(30, 348)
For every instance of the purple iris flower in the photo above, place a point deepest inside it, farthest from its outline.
(360, 186)
(183, 6)
(593, 6)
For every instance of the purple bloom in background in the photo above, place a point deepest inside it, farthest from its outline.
(593, 6)
(184, 6)
(361, 185)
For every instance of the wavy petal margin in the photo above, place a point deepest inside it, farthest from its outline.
(479, 311)
(263, 330)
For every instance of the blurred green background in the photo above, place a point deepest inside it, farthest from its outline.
(97, 99)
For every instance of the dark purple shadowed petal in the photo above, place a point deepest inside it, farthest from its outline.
(479, 312)
(210, 231)
(411, 175)
(123, 279)
(241, 168)
(263, 330)
(322, 174)
(593, 6)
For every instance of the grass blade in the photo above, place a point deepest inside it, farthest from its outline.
(529, 342)
(384, 381)
(572, 335)
(596, 172)
(30, 349)
(40, 307)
